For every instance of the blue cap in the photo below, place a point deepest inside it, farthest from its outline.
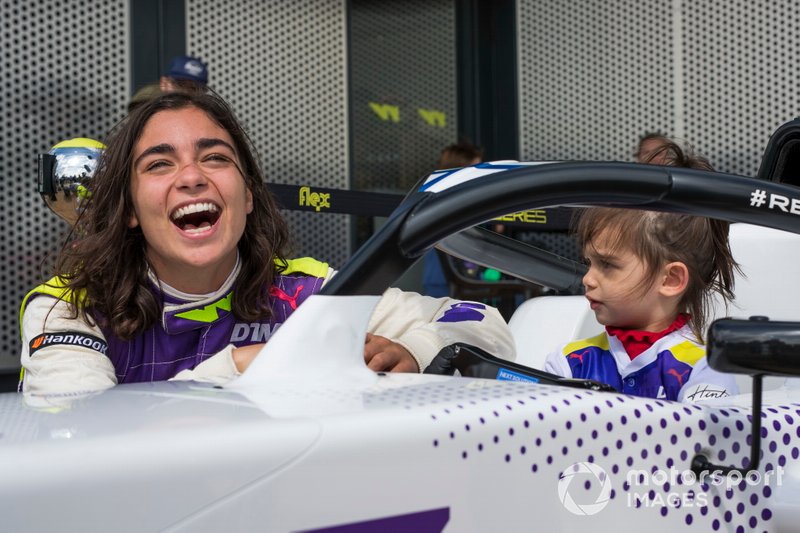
(188, 68)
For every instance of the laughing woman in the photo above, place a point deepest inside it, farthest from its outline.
(168, 258)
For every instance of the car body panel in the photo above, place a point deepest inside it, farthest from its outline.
(191, 457)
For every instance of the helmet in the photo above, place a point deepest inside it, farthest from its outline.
(65, 171)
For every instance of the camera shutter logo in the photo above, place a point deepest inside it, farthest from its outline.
(565, 481)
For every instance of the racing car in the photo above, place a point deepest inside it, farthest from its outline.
(310, 440)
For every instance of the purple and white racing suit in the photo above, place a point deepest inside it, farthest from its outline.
(197, 333)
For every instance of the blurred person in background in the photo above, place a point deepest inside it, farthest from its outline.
(185, 73)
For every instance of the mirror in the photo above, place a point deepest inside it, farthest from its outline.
(754, 346)
(64, 173)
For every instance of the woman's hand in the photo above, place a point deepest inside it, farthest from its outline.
(242, 357)
(383, 355)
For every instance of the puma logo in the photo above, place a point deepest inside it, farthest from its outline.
(678, 375)
(578, 356)
(281, 295)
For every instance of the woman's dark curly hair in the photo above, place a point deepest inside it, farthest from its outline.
(104, 261)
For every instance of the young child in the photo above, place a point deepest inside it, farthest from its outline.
(650, 282)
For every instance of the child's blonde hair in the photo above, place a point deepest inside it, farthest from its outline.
(660, 238)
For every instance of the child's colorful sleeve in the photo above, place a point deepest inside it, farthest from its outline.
(557, 364)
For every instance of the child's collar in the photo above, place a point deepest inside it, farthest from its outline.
(637, 341)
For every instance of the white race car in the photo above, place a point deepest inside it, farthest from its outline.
(310, 440)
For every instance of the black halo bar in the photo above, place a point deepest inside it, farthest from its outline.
(695, 192)
(424, 218)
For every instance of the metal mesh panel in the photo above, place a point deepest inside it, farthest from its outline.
(403, 92)
(65, 74)
(741, 77)
(595, 75)
(281, 65)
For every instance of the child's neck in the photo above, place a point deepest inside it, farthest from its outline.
(637, 341)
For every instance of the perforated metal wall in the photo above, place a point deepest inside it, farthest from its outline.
(741, 79)
(282, 67)
(596, 74)
(65, 74)
(593, 75)
(403, 95)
